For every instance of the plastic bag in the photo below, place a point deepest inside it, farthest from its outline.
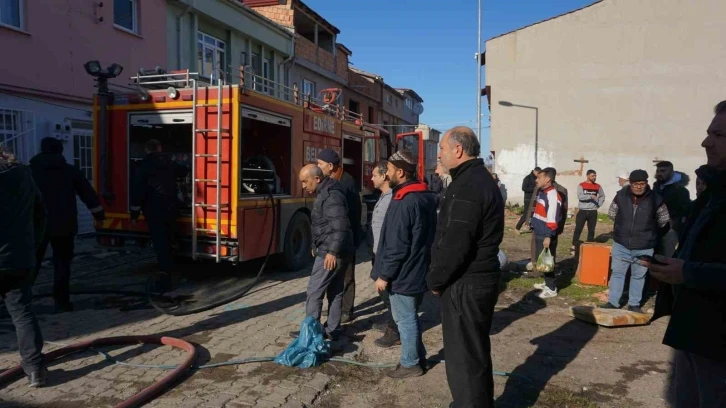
(545, 262)
(308, 349)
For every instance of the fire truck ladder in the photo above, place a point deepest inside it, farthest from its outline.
(217, 181)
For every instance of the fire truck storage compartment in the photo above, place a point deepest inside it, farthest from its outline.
(174, 131)
(266, 153)
(353, 156)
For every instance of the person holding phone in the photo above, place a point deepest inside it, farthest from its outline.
(638, 213)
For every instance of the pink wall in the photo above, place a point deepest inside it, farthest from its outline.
(59, 36)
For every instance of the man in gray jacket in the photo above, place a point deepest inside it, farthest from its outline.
(334, 249)
(391, 337)
(591, 197)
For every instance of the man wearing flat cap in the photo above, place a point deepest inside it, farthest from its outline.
(329, 162)
(638, 213)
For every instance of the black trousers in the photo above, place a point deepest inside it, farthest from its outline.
(349, 291)
(30, 340)
(523, 218)
(467, 310)
(585, 216)
(549, 277)
(63, 251)
(162, 235)
(386, 299)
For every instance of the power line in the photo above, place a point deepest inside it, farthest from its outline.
(429, 124)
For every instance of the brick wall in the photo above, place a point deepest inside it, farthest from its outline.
(341, 66)
(325, 60)
(281, 14)
(306, 49)
(363, 85)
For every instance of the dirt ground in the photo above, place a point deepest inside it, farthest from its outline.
(552, 359)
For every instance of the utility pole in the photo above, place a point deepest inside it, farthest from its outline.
(478, 78)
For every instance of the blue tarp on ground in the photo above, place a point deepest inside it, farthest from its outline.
(308, 349)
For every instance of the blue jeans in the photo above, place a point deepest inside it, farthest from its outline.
(622, 258)
(405, 313)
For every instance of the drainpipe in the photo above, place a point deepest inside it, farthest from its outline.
(178, 34)
(291, 60)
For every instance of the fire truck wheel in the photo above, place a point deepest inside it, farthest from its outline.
(298, 241)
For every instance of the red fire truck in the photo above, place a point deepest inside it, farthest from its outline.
(243, 144)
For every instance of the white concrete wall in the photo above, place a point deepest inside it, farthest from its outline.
(45, 113)
(621, 83)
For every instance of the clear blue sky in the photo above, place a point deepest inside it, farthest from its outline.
(429, 45)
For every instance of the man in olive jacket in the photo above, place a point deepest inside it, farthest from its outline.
(21, 229)
(465, 268)
(334, 249)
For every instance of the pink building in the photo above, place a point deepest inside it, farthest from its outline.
(45, 90)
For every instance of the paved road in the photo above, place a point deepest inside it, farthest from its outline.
(256, 325)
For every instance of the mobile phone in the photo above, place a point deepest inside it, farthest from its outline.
(650, 259)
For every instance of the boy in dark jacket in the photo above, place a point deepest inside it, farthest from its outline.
(334, 248)
(529, 184)
(404, 256)
(21, 229)
(59, 182)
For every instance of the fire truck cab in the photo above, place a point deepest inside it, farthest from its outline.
(243, 145)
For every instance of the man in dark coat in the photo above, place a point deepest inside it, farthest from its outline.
(21, 230)
(329, 162)
(155, 194)
(334, 249)
(404, 256)
(59, 182)
(529, 184)
(671, 186)
(465, 268)
(694, 292)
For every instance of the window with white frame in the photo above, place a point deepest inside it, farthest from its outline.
(268, 85)
(17, 132)
(211, 56)
(125, 14)
(409, 103)
(256, 68)
(309, 88)
(83, 148)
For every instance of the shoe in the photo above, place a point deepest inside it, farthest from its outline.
(63, 307)
(389, 339)
(540, 286)
(608, 305)
(381, 326)
(635, 309)
(405, 372)
(547, 293)
(37, 379)
(326, 336)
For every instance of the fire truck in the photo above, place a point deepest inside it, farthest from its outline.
(243, 145)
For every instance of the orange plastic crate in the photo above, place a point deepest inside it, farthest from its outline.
(594, 265)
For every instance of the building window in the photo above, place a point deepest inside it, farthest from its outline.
(210, 56)
(353, 106)
(11, 13)
(17, 133)
(83, 148)
(309, 88)
(389, 99)
(371, 114)
(268, 86)
(409, 103)
(125, 14)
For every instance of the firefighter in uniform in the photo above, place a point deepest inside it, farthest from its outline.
(329, 163)
(154, 193)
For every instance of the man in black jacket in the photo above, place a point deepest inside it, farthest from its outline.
(333, 241)
(671, 186)
(21, 230)
(529, 184)
(404, 256)
(694, 292)
(59, 182)
(638, 214)
(465, 268)
(329, 163)
(154, 193)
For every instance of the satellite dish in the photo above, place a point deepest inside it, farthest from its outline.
(418, 108)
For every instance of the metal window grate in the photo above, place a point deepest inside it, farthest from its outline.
(17, 132)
